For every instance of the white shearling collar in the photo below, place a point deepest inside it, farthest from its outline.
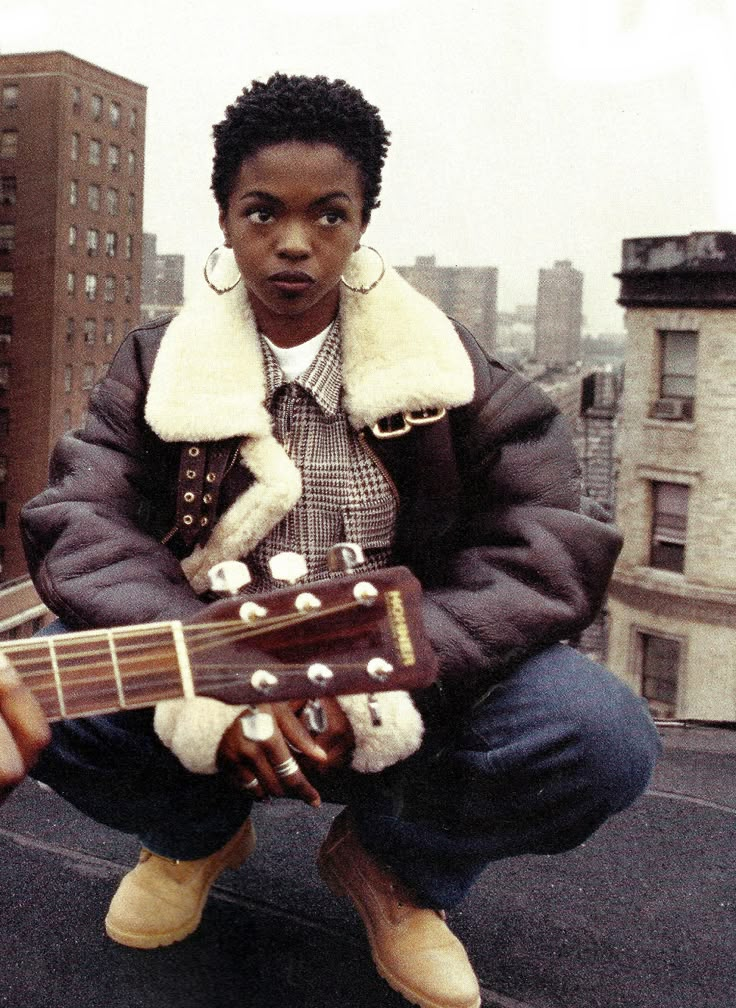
(400, 352)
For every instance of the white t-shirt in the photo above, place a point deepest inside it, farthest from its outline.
(294, 361)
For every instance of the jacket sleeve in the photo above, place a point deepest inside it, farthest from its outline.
(532, 559)
(89, 553)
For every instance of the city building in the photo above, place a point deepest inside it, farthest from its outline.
(71, 192)
(559, 315)
(465, 293)
(162, 281)
(672, 602)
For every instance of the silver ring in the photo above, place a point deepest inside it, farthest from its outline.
(288, 768)
(252, 785)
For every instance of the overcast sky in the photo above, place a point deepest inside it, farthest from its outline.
(524, 131)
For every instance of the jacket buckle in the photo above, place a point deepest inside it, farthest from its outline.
(397, 424)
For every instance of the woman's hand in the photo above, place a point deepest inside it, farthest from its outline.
(253, 765)
(336, 739)
(24, 731)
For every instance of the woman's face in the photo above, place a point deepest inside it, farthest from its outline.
(293, 220)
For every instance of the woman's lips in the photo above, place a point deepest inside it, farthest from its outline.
(291, 281)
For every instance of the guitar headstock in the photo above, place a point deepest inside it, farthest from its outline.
(359, 633)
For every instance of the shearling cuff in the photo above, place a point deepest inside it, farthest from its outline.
(396, 738)
(193, 729)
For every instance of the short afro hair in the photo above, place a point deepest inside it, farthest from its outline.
(306, 109)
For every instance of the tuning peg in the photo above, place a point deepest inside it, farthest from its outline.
(379, 668)
(344, 557)
(228, 577)
(289, 567)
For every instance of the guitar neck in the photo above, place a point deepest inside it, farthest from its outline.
(101, 671)
(298, 646)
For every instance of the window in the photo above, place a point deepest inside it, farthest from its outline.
(93, 197)
(88, 377)
(74, 148)
(76, 99)
(6, 328)
(109, 288)
(95, 152)
(4, 421)
(6, 283)
(90, 330)
(90, 286)
(3, 468)
(678, 362)
(70, 327)
(10, 96)
(129, 246)
(71, 283)
(8, 190)
(128, 289)
(131, 204)
(68, 377)
(8, 143)
(95, 107)
(131, 162)
(4, 377)
(133, 120)
(72, 236)
(7, 237)
(67, 419)
(660, 665)
(93, 241)
(113, 157)
(669, 525)
(113, 202)
(114, 112)
(73, 192)
(111, 244)
(109, 330)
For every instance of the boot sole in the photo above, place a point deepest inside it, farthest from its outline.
(334, 883)
(240, 853)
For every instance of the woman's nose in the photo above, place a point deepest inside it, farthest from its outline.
(293, 241)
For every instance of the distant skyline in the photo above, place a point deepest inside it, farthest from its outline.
(523, 132)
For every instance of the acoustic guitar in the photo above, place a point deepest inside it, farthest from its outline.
(352, 634)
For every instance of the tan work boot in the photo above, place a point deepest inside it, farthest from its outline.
(412, 947)
(161, 901)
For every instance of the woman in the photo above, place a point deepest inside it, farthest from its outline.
(325, 400)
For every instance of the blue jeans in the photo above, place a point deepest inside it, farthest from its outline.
(554, 750)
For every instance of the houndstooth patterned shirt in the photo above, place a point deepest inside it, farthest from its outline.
(347, 496)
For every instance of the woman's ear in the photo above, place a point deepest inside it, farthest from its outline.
(223, 227)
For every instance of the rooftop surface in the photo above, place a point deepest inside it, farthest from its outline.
(643, 915)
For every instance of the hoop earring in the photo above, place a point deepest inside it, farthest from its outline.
(218, 290)
(365, 290)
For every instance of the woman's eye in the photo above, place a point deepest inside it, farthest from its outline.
(259, 216)
(331, 217)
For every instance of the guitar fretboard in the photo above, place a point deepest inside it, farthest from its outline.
(96, 671)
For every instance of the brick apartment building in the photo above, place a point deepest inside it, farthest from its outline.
(672, 602)
(465, 293)
(559, 316)
(71, 199)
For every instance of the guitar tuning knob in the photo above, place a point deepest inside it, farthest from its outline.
(344, 557)
(228, 577)
(288, 567)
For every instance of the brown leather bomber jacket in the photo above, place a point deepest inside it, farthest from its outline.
(490, 519)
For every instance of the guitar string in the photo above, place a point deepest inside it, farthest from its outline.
(204, 636)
